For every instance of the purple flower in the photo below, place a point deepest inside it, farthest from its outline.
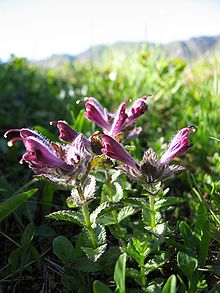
(115, 150)
(58, 163)
(66, 132)
(122, 121)
(151, 169)
(138, 108)
(119, 120)
(97, 114)
(178, 145)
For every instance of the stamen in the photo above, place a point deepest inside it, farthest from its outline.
(13, 140)
(9, 131)
(80, 101)
(53, 123)
(192, 128)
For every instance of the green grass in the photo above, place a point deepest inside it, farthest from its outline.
(38, 251)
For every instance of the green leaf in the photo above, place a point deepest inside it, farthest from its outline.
(100, 234)
(94, 254)
(45, 231)
(155, 263)
(99, 287)
(63, 249)
(134, 274)
(89, 187)
(97, 211)
(85, 265)
(115, 175)
(118, 195)
(28, 235)
(164, 202)
(80, 121)
(204, 243)
(8, 206)
(135, 202)
(170, 285)
(146, 217)
(125, 212)
(119, 274)
(68, 215)
(187, 235)
(187, 264)
(14, 259)
(47, 198)
(70, 201)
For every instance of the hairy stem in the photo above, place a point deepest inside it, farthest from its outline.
(86, 215)
(152, 210)
(114, 213)
(143, 279)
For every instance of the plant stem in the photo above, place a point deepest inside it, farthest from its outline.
(152, 210)
(143, 280)
(86, 215)
(114, 213)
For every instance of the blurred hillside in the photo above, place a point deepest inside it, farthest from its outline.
(191, 49)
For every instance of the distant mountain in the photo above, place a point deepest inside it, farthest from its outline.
(193, 48)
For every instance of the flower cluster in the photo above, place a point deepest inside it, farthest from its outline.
(121, 121)
(151, 169)
(66, 163)
(59, 163)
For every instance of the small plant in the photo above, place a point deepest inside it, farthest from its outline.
(102, 201)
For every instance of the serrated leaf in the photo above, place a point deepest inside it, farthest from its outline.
(125, 212)
(115, 175)
(63, 249)
(135, 202)
(106, 220)
(97, 211)
(8, 206)
(146, 217)
(70, 201)
(89, 187)
(131, 251)
(119, 274)
(99, 287)
(155, 263)
(100, 234)
(165, 202)
(104, 215)
(94, 254)
(170, 285)
(68, 215)
(119, 192)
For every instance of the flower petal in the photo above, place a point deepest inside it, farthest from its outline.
(39, 154)
(115, 150)
(66, 132)
(119, 120)
(96, 113)
(138, 108)
(178, 145)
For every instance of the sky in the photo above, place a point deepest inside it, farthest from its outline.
(36, 29)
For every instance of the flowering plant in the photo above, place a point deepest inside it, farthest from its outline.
(83, 164)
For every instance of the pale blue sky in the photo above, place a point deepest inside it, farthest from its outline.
(39, 28)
